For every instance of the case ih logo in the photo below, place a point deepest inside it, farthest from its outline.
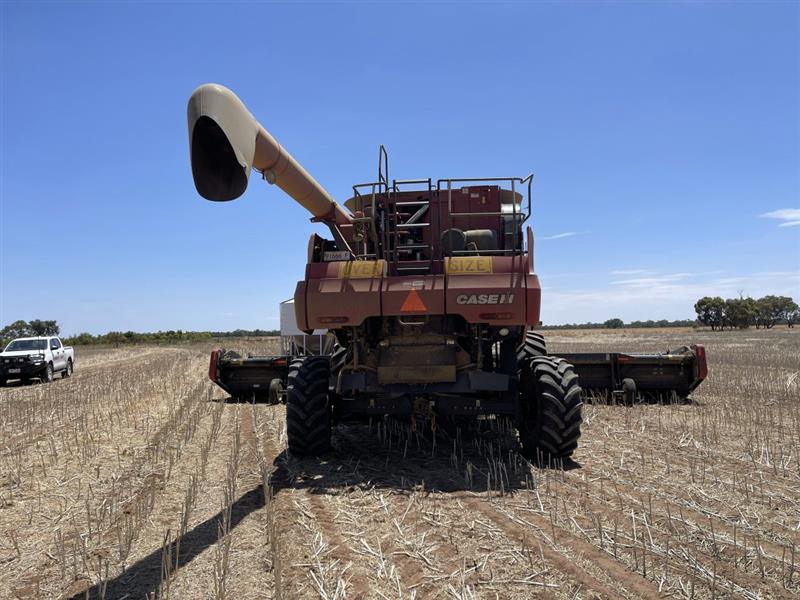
(485, 299)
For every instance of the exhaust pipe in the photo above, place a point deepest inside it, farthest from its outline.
(226, 142)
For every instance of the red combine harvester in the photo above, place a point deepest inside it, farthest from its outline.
(430, 291)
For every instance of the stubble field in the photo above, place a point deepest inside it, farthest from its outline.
(136, 479)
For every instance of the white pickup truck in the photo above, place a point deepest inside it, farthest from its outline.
(36, 358)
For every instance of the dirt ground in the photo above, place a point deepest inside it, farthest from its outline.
(136, 479)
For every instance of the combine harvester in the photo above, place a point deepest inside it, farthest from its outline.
(428, 288)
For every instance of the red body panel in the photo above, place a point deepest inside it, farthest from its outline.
(212, 365)
(344, 302)
(533, 301)
(476, 296)
(300, 316)
(398, 298)
(509, 295)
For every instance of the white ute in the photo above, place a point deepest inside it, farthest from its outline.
(36, 358)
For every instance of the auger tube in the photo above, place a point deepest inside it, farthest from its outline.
(226, 142)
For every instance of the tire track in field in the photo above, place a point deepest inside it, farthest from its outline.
(561, 562)
(662, 516)
(305, 526)
(702, 559)
(399, 567)
(684, 497)
(251, 560)
(435, 541)
(690, 461)
(48, 398)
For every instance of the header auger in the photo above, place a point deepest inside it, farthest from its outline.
(429, 289)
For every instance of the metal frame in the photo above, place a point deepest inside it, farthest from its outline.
(369, 194)
(515, 214)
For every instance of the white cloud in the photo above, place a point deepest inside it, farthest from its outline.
(558, 236)
(789, 216)
(631, 272)
(653, 280)
(669, 296)
(566, 234)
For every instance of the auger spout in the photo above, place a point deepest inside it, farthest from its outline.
(226, 142)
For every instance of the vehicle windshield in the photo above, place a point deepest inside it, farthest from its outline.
(17, 345)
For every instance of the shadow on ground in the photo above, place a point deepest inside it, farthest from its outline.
(387, 455)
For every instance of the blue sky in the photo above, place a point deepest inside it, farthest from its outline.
(662, 136)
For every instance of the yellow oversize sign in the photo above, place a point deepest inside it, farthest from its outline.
(467, 265)
(362, 269)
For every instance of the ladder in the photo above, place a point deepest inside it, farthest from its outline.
(408, 220)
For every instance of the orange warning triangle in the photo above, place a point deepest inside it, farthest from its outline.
(413, 303)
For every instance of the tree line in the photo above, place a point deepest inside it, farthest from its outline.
(741, 313)
(617, 323)
(35, 328)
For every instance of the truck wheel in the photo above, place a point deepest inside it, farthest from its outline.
(308, 411)
(67, 372)
(3, 382)
(275, 389)
(551, 400)
(534, 345)
(47, 376)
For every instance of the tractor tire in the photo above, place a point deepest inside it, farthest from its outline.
(67, 372)
(308, 409)
(551, 399)
(275, 389)
(47, 375)
(338, 358)
(534, 345)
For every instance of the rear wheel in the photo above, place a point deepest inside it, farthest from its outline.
(308, 411)
(551, 399)
(534, 345)
(67, 372)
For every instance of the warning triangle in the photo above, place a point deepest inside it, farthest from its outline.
(413, 303)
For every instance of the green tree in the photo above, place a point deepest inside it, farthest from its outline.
(614, 324)
(43, 328)
(710, 311)
(787, 310)
(793, 317)
(115, 337)
(82, 339)
(17, 329)
(767, 312)
(740, 312)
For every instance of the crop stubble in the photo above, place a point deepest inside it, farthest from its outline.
(135, 478)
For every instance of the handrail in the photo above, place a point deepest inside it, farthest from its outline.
(516, 223)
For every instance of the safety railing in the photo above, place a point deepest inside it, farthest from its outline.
(520, 212)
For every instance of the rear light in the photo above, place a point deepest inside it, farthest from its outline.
(702, 365)
(498, 316)
(328, 320)
(280, 362)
